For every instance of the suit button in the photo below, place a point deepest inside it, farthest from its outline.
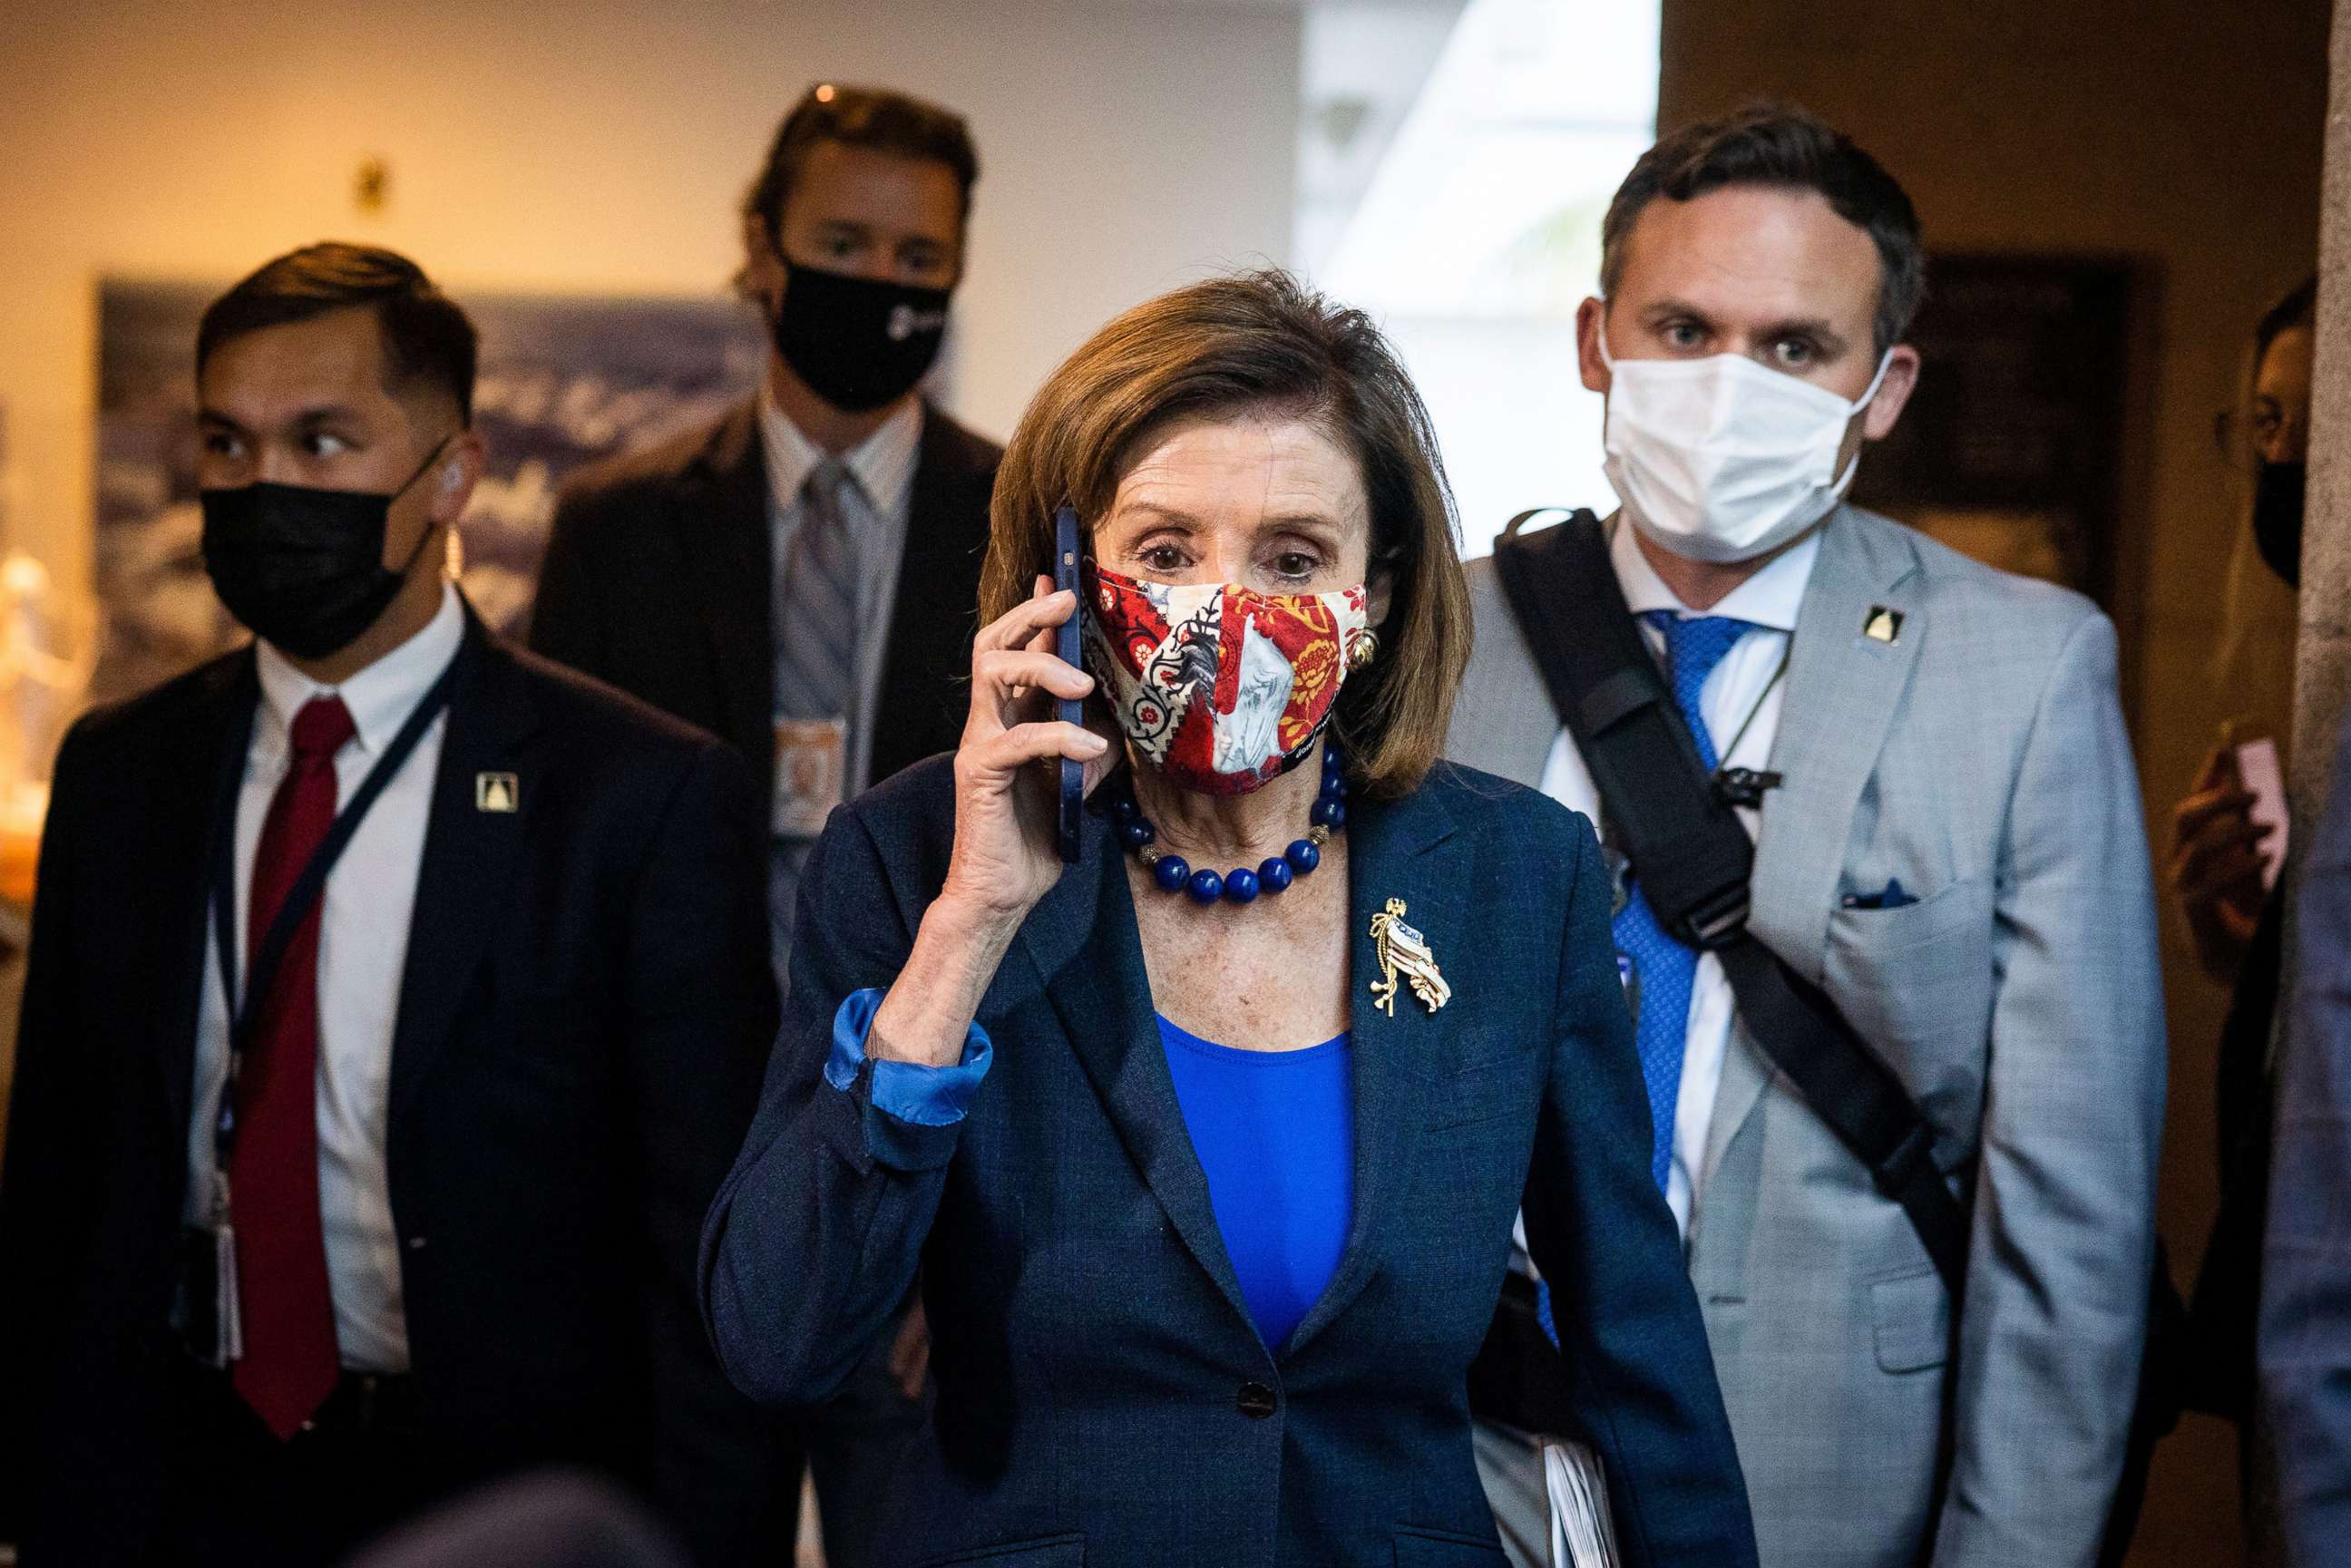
(416, 1244)
(1256, 1401)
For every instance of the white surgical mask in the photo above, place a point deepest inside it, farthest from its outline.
(1722, 459)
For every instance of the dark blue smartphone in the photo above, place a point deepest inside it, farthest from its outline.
(1065, 644)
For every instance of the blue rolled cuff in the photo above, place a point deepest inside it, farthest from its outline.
(926, 1096)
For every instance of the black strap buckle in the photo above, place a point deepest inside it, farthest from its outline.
(1718, 920)
(1907, 1162)
(1743, 787)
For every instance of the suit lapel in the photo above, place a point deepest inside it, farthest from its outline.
(1082, 939)
(470, 854)
(1743, 1078)
(934, 611)
(187, 825)
(1400, 849)
(1845, 687)
(729, 554)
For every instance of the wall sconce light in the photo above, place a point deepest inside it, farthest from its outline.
(371, 184)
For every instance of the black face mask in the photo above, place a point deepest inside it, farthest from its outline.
(303, 568)
(858, 343)
(2277, 519)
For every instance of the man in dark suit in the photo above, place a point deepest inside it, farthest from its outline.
(396, 1001)
(803, 577)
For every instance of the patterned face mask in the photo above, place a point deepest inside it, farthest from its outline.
(1220, 688)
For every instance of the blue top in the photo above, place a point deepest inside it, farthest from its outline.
(1275, 1131)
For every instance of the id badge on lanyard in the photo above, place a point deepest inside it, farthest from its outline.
(215, 1323)
(811, 775)
(209, 1301)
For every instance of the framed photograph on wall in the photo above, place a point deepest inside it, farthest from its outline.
(2012, 449)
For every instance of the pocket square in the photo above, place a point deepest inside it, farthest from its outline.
(1893, 897)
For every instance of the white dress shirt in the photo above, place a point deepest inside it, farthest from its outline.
(873, 509)
(365, 912)
(1742, 691)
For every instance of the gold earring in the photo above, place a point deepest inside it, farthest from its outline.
(1367, 648)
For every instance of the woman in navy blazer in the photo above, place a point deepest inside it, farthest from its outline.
(1207, 1178)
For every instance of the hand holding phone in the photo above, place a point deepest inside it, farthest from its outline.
(1072, 802)
(2228, 842)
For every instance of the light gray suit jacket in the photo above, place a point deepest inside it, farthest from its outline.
(1979, 758)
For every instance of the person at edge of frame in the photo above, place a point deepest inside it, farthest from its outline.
(328, 1198)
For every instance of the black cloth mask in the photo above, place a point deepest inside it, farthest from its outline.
(858, 343)
(303, 568)
(2277, 519)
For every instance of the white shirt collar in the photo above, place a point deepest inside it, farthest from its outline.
(380, 698)
(882, 464)
(1770, 597)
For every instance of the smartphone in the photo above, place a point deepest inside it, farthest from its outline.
(1065, 645)
(2259, 774)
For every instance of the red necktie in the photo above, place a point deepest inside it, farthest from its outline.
(290, 1363)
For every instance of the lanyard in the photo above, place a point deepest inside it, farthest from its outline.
(300, 899)
(1787, 650)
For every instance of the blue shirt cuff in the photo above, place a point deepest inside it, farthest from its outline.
(928, 1096)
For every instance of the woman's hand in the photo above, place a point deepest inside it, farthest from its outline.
(1006, 770)
(2216, 867)
(1006, 784)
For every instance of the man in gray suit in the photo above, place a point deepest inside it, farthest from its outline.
(1951, 850)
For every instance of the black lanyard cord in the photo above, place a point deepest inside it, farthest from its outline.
(300, 899)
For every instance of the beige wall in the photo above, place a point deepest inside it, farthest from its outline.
(2186, 136)
(601, 145)
(1126, 145)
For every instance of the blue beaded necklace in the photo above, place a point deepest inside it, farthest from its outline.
(1240, 885)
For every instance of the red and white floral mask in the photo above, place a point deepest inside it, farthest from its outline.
(1221, 688)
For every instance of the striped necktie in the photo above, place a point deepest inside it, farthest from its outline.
(816, 619)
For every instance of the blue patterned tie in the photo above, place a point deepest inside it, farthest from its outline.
(1665, 969)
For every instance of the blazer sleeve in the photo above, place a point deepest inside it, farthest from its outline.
(701, 1010)
(566, 617)
(2053, 1318)
(1641, 1376)
(57, 1083)
(2306, 1310)
(817, 1233)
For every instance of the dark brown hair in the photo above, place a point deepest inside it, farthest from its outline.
(1261, 343)
(428, 341)
(870, 116)
(2299, 307)
(1777, 145)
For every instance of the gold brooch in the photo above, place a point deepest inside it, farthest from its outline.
(1403, 950)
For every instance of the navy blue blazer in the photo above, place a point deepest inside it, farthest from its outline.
(1103, 1395)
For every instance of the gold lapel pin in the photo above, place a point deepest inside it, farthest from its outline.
(1883, 625)
(1404, 951)
(500, 792)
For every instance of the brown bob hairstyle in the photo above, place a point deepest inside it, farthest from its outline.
(1260, 343)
